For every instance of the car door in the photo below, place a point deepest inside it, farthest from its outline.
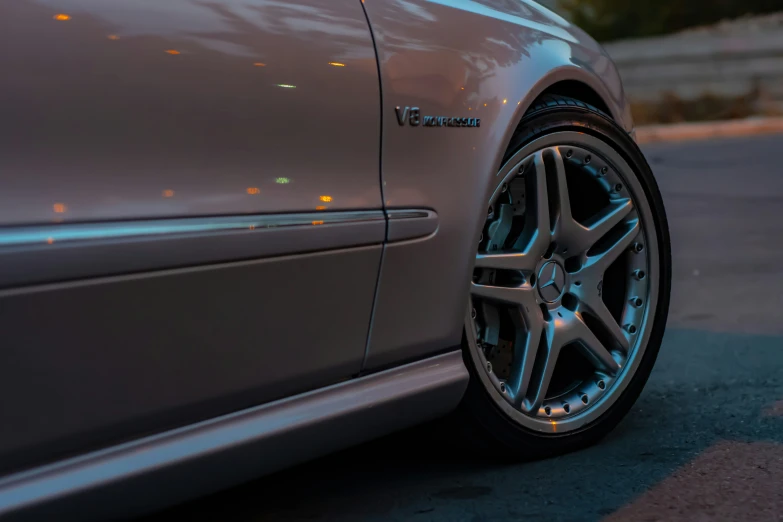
(191, 213)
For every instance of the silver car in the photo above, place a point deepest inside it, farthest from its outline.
(239, 234)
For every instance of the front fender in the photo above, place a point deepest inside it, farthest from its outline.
(485, 59)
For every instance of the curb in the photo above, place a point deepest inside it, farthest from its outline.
(707, 130)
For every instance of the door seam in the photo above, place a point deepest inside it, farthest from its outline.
(383, 196)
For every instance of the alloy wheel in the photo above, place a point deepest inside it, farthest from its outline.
(561, 297)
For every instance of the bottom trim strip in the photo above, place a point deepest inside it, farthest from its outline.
(171, 467)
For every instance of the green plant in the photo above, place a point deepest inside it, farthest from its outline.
(608, 20)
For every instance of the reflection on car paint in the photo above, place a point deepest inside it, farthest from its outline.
(129, 121)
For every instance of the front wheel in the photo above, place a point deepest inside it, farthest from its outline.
(570, 291)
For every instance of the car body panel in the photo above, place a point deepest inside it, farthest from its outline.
(101, 361)
(486, 59)
(101, 120)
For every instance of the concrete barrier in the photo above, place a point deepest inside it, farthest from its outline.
(708, 130)
(730, 59)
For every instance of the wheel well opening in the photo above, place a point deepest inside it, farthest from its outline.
(579, 91)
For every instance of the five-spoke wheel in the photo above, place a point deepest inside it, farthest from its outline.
(564, 286)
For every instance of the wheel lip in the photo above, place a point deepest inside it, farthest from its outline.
(607, 151)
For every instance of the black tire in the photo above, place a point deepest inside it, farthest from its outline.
(485, 425)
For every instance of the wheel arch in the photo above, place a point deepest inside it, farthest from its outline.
(600, 87)
(579, 91)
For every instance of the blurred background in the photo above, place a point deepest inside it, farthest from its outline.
(690, 60)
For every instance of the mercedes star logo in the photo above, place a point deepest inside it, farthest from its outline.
(551, 281)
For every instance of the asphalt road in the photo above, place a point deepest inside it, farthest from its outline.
(704, 441)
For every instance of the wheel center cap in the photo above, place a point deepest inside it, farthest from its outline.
(551, 281)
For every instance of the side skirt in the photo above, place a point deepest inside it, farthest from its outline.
(177, 465)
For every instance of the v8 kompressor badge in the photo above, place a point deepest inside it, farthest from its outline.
(413, 116)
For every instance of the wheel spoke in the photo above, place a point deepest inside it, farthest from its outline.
(596, 307)
(603, 222)
(563, 223)
(518, 295)
(567, 327)
(539, 384)
(579, 238)
(536, 235)
(602, 261)
(575, 329)
(565, 230)
(507, 261)
(525, 352)
(534, 239)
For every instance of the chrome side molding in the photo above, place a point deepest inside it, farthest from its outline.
(411, 224)
(40, 254)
